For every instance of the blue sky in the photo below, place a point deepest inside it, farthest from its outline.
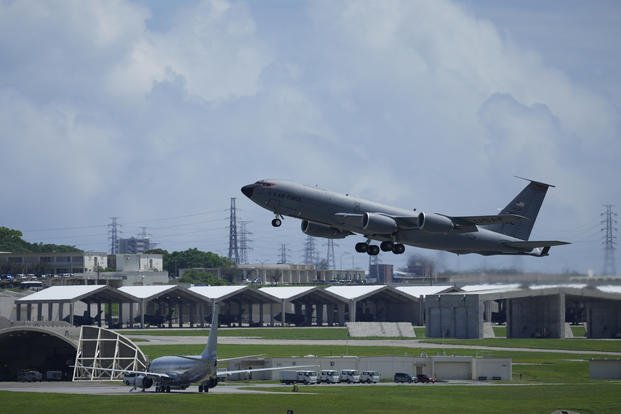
(158, 112)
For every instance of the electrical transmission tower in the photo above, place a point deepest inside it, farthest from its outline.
(373, 261)
(113, 235)
(330, 260)
(243, 242)
(609, 221)
(283, 253)
(310, 251)
(233, 247)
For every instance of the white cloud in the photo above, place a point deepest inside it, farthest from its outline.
(417, 103)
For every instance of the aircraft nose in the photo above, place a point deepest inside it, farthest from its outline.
(248, 190)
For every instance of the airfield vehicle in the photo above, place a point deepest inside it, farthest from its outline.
(370, 377)
(329, 376)
(29, 375)
(424, 378)
(349, 376)
(402, 377)
(292, 377)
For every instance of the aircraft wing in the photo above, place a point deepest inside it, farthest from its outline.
(404, 222)
(349, 219)
(487, 220)
(247, 371)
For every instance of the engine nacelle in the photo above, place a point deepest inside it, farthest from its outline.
(434, 223)
(321, 230)
(374, 223)
(138, 380)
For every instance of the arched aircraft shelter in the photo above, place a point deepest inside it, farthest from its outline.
(47, 350)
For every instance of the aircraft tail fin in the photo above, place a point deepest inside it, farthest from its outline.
(527, 204)
(210, 351)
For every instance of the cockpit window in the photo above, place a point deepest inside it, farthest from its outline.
(264, 183)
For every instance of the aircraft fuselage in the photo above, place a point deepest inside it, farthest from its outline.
(343, 213)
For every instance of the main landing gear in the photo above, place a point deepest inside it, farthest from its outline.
(162, 388)
(385, 246)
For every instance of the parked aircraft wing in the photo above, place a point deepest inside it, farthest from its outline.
(129, 371)
(241, 357)
(247, 371)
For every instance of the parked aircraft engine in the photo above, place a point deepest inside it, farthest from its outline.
(374, 223)
(434, 223)
(138, 380)
(321, 230)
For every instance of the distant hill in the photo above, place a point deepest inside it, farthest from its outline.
(11, 241)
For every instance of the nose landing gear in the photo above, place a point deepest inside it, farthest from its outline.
(277, 221)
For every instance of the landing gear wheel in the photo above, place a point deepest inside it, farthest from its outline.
(373, 250)
(398, 248)
(200, 388)
(276, 222)
(361, 247)
(386, 246)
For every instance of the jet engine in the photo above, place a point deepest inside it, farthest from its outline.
(138, 380)
(434, 223)
(321, 230)
(374, 223)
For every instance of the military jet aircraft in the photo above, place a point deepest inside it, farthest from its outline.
(336, 216)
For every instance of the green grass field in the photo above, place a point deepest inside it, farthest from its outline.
(584, 398)
(574, 344)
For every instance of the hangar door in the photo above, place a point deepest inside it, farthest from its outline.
(453, 370)
(105, 355)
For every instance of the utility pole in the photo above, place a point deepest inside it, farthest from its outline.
(609, 221)
(233, 247)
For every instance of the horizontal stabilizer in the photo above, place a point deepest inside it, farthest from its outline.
(535, 243)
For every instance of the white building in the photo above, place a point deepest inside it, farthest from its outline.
(136, 262)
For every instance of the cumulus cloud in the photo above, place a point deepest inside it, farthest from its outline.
(418, 103)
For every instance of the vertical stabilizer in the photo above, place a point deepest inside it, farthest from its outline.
(210, 351)
(527, 203)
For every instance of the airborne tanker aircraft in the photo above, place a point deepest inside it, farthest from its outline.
(336, 216)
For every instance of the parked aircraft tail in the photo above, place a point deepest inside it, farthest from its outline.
(210, 351)
(527, 204)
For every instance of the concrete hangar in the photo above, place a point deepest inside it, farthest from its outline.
(447, 311)
(38, 335)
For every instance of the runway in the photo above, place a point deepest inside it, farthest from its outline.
(111, 388)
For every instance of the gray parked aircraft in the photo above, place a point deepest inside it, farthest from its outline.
(179, 372)
(336, 216)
